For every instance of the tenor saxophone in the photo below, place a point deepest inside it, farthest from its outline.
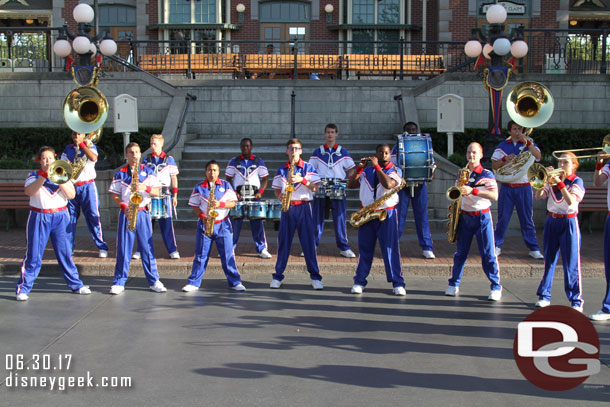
(288, 191)
(136, 198)
(78, 165)
(454, 194)
(370, 211)
(211, 214)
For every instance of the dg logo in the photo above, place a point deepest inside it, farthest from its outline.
(556, 348)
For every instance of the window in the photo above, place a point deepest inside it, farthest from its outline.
(285, 12)
(186, 12)
(376, 11)
(117, 16)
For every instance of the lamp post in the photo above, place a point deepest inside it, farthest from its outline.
(83, 43)
(240, 8)
(498, 45)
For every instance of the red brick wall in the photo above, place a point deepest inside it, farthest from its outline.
(66, 13)
(152, 9)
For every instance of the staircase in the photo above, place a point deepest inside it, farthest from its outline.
(273, 152)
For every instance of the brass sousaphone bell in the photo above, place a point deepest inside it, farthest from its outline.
(85, 109)
(530, 104)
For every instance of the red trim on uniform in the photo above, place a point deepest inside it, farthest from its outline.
(78, 184)
(599, 166)
(123, 205)
(299, 164)
(476, 213)
(42, 173)
(242, 157)
(335, 146)
(571, 177)
(162, 155)
(562, 215)
(359, 170)
(148, 189)
(52, 210)
(206, 184)
(295, 203)
(516, 185)
(125, 168)
(478, 169)
(203, 217)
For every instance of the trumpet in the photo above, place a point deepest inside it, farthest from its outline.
(539, 176)
(605, 148)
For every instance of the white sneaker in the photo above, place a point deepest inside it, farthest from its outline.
(117, 289)
(428, 254)
(577, 308)
(357, 289)
(136, 256)
(498, 251)
(347, 253)
(103, 254)
(174, 255)
(399, 291)
(84, 290)
(264, 254)
(21, 297)
(535, 254)
(189, 288)
(238, 287)
(158, 287)
(600, 316)
(275, 283)
(317, 285)
(495, 295)
(542, 303)
(452, 291)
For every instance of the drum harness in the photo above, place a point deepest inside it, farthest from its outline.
(247, 171)
(331, 163)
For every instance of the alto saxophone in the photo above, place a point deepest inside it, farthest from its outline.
(454, 194)
(136, 198)
(288, 191)
(370, 211)
(211, 214)
(78, 165)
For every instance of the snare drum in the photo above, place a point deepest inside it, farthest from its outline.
(337, 191)
(237, 212)
(257, 210)
(158, 207)
(274, 210)
(415, 157)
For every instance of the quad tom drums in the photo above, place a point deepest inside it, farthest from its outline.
(158, 207)
(257, 210)
(331, 188)
(415, 157)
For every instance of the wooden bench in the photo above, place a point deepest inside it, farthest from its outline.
(12, 197)
(199, 63)
(595, 200)
(390, 64)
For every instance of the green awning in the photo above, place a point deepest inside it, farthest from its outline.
(410, 27)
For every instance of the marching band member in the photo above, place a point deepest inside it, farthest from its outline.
(86, 197)
(222, 200)
(304, 179)
(518, 195)
(562, 233)
(375, 182)
(600, 178)
(249, 171)
(332, 161)
(120, 188)
(166, 170)
(475, 220)
(419, 200)
(48, 218)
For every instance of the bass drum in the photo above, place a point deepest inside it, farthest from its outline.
(415, 157)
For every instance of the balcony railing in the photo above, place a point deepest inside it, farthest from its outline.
(550, 51)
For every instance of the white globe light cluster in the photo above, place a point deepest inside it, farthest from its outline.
(496, 14)
(83, 13)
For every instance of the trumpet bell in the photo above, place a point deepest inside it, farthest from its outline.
(537, 175)
(85, 109)
(530, 104)
(60, 172)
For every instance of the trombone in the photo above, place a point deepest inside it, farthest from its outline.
(605, 148)
(539, 176)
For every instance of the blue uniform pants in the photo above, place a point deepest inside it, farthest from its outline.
(223, 236)
(258, 232)
(519, 198)
(480, 226)
(167, 227)
(419, 201)
(337, 207)
(298, 217)
(562, 234)
(606, 301)
(41, 226)
(387, 233)
(88, 201)
(124, 246)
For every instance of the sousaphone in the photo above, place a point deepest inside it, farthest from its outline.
(85, 109)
